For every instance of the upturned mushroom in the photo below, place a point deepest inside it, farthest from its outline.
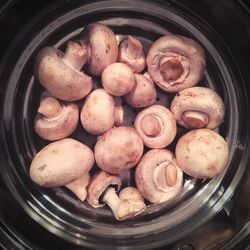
(102, 47)
(198, 107)
(55, 120)
(143, 93)
(60, 72)
(118, 79)
(98, 112)
(202, 153)
(63, 163)
(103, 189)
(156, 126)
(158, 177)
(118, 150)
(131, 52)
(175, 62)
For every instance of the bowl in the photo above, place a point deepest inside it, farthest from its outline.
(57, 209)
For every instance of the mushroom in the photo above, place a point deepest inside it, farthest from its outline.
(118, 150)
(55, 120)
(175, 62)
(156, 126)
(158, 177)
(60, 73)
(131, 53)
(143, 93)
(202, 153)
(118, 79)
(63, 163)
(131, 203)
(198, 107)
(98, 112)
(102, 190)
(102, 47)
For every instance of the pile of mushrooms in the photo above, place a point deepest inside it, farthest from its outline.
(134, 132)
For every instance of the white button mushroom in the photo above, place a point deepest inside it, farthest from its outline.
(175, 62)
(59, 73)
(118, 150)
(131, 53)
(102, 47)
(55, 120)
(156, 125)
(98, 112)
(102, 190)
(158, 177)
(198, 107)
(202, 153)
(118, 79)
(143, 93)
(62, 163)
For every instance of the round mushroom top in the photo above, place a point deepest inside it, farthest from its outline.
(61, 80)
(158, 177)
(118, 79)
(143, 93)
(98, 184)
(156, 126)
(198, 107)
(61, 162)
(98, 112)
(202, 153)
(118, 150)
(175, 62)
(103, 47)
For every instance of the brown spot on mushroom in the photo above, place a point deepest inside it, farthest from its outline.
(42, 167)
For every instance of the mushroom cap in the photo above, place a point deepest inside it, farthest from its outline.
(103, 47)
(145, 174)
(143, 93)
(200, 99)
(59, 126)
(118, 79)
(98, 185)
(98, 112)
(184, 57)
(167, 126)
(131, 53)
(202, 153)
(61, 162)
(118, 150)
(130, 193)
(62, 81)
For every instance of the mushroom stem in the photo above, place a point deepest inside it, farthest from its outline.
(134, 47)
(49, 107)
(195, 119)
(123, 208)
(112, 200)
(164, 176)
(150, 125)
(78, 186)
(76, 54)
(171, 69)
(119, 116)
